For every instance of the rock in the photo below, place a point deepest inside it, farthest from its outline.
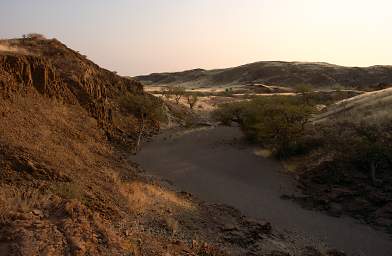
(286, 197)
(378, 198)
(311, 251)
(358, 205)
(38, 213)
(335, 209)
(338, 194)
(258, 227)
(195, 244)
(278, 253)
(238, 238)
(229, 227)
(384, 221)
(335, 253)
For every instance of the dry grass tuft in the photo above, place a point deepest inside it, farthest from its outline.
(143, 197)
(67, 190)
(262, 152)
(5, 47)
(13, 199)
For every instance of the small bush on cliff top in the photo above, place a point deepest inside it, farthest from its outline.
(35, 36)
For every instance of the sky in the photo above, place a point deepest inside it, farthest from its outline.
(135, 37)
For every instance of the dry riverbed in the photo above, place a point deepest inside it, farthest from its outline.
(217, 166)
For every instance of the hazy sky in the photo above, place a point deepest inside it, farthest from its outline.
(137, 37)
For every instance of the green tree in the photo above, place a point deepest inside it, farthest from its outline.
(305, 91)
(192, 99)
(277, 122)
(229, 112)
(178, 92)
(144, 107)
(165, 92)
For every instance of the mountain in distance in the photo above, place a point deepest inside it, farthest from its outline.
(278, 73)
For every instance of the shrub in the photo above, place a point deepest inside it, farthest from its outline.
(35, 36)
(364, 145)
(67, 190)
(165, 92)
(143, 107)
(192, 99)
(228, 113)
(276, 122)
(177, 91)
(13, 199)
(305, 90)
(228, 92)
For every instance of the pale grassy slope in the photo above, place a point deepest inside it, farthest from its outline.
(372, 106)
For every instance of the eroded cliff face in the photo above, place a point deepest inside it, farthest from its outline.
(49, 68)
(20, 74)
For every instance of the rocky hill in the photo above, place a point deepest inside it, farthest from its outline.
(277, 73)
(50, 68)
(67, 186)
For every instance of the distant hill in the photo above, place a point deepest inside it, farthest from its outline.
(278, 73)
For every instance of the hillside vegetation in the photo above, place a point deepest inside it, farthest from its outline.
(343, 154)
(277, 73)
(372, 106)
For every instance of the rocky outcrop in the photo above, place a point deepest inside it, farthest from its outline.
(49, 68)
(339, 190)
(22, 73)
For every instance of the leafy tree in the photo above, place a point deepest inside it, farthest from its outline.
(277, 122)
(35, 36)
(192, 99)
(305, 91)
(165, 92)
(229, 112)
(178, 92)
(144, 107)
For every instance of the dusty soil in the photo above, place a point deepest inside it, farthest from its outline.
(215, 165)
